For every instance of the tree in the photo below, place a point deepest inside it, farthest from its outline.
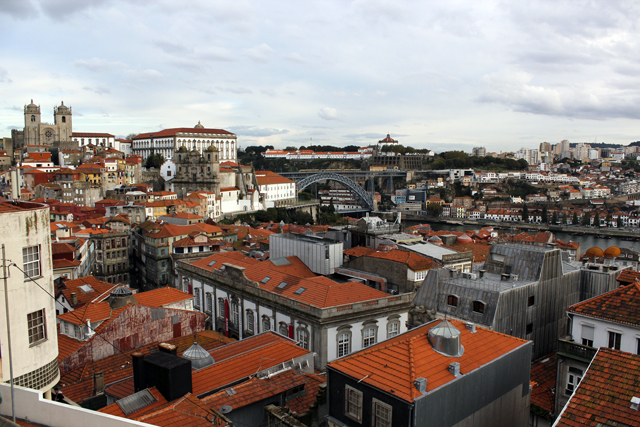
(154, 161)
(525, 213)
(131, 136)
(564, 218)
(586, 219)
(607, 221)
(434, 209)
(597, 220)
(554, 218)
(619, 221)
(574, 220)
(332, 209)
(545, 214)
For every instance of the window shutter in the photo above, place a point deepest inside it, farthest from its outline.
(587, 332)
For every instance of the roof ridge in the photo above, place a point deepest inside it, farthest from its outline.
(599, 297)
(412, 367)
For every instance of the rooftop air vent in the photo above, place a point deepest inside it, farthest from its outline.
(454, 368)
(635, 402)
(471, 327)
(445, 339)
(199, 357)
(421, 384)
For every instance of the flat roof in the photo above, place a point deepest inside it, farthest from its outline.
(428, 249)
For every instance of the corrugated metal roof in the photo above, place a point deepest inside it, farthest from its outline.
(136, 401)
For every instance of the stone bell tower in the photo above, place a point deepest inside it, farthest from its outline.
(63, 124)
(32, 120)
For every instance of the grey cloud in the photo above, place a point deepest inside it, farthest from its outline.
(21, 9)
(366, 135)
(257, 131)
(4, 76)
(294, 57)
(236, 90)
(62, 10)
(98, 64)
(100, 89)
(261, 53)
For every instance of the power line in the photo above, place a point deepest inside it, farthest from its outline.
(72, 311)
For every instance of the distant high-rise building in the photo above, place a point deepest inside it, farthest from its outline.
(479, 151)
(545, 147)
(532, 156)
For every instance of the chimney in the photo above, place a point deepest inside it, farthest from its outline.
(139, 380)
(635, 402)
(98, 382)
(168, 348)
(505, 277)
(74, 298)
(421, 384)
(471, 327)
(454, 368)
(482, 273)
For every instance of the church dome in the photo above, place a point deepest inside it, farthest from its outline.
(31, 107)
(199, 125)
(199, 357)
(594, 253)
(62, 108)
(612, 252)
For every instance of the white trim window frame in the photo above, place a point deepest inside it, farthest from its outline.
(353, 403)
(381, 413)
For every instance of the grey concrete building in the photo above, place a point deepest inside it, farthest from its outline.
(523, 291)
(321, 255)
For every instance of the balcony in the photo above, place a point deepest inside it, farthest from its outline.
(576, 351)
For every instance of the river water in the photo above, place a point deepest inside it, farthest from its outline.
(586, 241)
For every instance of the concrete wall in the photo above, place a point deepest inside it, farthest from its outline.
(31, 406)
(321, 257)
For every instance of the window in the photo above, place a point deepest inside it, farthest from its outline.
(529, 328)
(573, 379)
(208, 302)
(31, 261)
(37, 326)
(353, 403)
(250, 321)
(393, 329)
(587, 335)
(614, 340)
(196, 293)
(344, 344)
(303, 338)
(368, 336)
(452, 300)
(220, 307)
(478, 307)
(381, 414)
(235, 314)
(531, 300)
(283, 329)
(266, 324)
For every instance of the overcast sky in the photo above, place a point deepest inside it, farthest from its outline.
(443, 75)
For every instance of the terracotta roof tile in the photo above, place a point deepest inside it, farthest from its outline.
(100, 291)
(412, 260)
(543, 374)
(358, 251)
(161, 297)
(393, 365)
(621, 305)
(628, 276)
(603, 397)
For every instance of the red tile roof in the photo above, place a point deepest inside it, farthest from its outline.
(114, 408)
(621, 305)
(543, 375)
(161, 297)
(393, 365)
(257, 389)
(603, 397)
(65, 263)
(244, 358)
(412, 260)
(100, 291)
(268, 180)
(358, 251)
(188, 411)
(628, 276)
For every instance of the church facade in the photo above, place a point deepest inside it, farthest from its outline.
(37, 132)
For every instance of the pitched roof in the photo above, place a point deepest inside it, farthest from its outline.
(96, 291)
(358, 251)
(412, 260)
(628, 276)
(257, 389)
(161, 297)
(173, 230)
(621, 305)
(393, 365)
(188, 411)
(603, 397)
(58, 248)
(241, 359)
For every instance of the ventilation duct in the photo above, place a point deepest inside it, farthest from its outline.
(445, 339)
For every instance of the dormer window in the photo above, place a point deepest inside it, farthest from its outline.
(478, 307)
(452, 300)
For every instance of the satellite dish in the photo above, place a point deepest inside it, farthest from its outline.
(225, 409)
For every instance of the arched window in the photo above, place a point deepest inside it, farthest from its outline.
(478, 307)
(209, 302)
(33, 118)
(266, 324)
(344, 343)
(393, 329)
(368, 336)
(283, 329)
(235, 314)
(64, 119)
(220, 307)
(452, 300)
(250, 328)
(303, 338)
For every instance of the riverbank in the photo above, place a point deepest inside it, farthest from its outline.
(517, 227)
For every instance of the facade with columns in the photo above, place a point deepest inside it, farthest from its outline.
(243, 307)
(199, 138)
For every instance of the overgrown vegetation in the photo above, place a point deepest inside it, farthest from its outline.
(461, 160)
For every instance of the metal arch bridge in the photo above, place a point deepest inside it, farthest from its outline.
(362, 197)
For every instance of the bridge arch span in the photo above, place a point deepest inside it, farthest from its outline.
(362, 197)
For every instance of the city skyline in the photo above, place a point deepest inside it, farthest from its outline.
(439, 76)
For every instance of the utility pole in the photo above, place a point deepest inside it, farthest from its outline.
(6, 308)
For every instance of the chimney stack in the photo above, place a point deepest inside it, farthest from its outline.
(139, 380)
(168, 348)
(74, 298)
(421, 384)
(98, 382)
(482, 273)
(635, 402)
(471, 327)
(454, 368)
